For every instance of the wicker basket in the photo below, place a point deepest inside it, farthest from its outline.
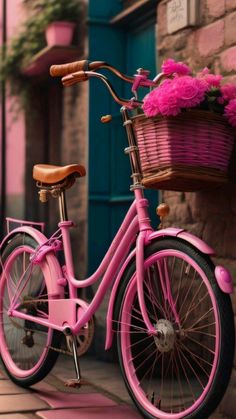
(188, 152)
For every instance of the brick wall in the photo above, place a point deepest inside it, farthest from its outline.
(210, 215)
(74, 149)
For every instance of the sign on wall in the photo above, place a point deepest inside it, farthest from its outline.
(181, 14)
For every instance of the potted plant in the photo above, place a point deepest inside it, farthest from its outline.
(58, 19)
(31, 39)
(186, 135)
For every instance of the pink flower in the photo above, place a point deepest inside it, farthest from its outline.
(162, 101)
(150, 104)
(168, 102)
(230, 112)
(189, 91)
(203, 73)
(228, 91)
(170, 66)
(213, 80)
(182, 91)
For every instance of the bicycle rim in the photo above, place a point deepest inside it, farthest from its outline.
(169, 376)
(24, 344)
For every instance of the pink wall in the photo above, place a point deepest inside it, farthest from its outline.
(15, 127)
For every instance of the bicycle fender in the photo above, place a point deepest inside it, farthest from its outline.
(159, 234)
(31, 231)
(54, 266)
(184, 235)
(222, 275)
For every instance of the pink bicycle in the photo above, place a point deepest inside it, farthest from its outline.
(169, 305)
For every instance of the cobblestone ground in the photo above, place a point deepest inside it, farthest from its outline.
(102, 396)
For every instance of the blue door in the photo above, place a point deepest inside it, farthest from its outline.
(109, 171)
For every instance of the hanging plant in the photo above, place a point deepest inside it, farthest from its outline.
(31, 39)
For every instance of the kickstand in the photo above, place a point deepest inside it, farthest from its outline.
(71, 343)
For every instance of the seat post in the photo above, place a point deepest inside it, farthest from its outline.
(62, 206)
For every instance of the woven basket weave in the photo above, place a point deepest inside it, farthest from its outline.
(188, 152)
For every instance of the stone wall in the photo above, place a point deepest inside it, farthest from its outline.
(210, 215)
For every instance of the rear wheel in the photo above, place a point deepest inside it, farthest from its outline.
(25, 346)
(182, 371)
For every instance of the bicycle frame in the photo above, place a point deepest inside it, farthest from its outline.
(136, 220)
(136, 227)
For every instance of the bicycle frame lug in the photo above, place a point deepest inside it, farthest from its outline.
(62, 281)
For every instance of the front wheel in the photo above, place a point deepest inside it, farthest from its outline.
(183, 370)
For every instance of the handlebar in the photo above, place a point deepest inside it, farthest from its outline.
(79, 71)
(61, 70)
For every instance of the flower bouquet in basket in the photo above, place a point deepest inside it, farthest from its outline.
(186, 135)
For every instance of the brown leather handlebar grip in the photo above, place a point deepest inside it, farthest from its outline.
(62, 70)
(77, 77)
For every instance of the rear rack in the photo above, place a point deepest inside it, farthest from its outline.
(14, 223)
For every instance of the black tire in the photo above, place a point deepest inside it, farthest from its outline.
(34, 331)
(218, 384)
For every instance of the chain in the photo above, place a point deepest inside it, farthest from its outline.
(61, 351)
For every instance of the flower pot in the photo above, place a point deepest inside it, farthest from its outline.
(59, 33)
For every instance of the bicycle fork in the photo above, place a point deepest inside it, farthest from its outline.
(165, 284)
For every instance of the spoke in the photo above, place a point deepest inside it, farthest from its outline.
(139, 341)
(145, 360)
(17, 296)
(172, 313)
(179, 383)
(145, 349)
(130, 325)
(140, 319)
(158, 355)
(203, 346)
(180, 282)
(159, 307)
(151, 295)
(200, 333)
(79, 340)
(171, 391)
(162, 374)
(186, 376)
(189, 329)
(188, 291)
(163, 285)
(130, 332)
(191, 368)
(169, 308)
(196, 359)
(197, 356)
(201, 318)
(193, 307)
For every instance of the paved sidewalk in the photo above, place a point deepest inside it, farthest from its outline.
(103, 396)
